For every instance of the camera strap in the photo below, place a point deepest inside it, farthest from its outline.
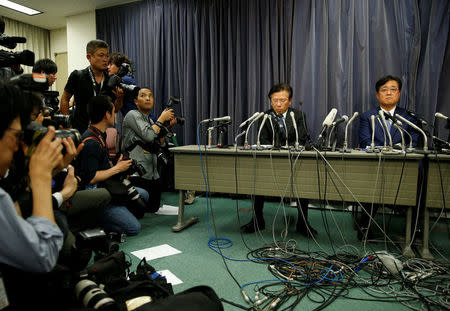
(97, 136)
(94, 82)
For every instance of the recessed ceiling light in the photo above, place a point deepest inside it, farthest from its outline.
(17, 7)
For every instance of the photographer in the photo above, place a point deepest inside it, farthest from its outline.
(94, 167)
(30, 244)
(87, 83)
(124, 100)
(142, 138)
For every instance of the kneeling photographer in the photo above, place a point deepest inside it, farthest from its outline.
(142, 138)
(95, 170)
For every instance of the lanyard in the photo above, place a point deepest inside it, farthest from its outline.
(94, 83)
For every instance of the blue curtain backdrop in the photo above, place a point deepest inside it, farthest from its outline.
(222, 57)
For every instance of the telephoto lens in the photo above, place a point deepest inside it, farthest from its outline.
(92, 296)
(34, 133)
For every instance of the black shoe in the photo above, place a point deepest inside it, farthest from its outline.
(306, 230)
(253, 225)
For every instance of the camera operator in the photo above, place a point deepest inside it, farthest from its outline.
(30, 244)
(142, 139)
(94, 167)
(10, 62)
(124, 100)
(87, 83)
(48, 67)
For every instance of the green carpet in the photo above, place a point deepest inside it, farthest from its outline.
(197, 264)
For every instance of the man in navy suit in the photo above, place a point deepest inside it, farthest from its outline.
(388, 93)
(280, 99)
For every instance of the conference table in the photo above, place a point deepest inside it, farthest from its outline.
(355, 176)
(437, 194)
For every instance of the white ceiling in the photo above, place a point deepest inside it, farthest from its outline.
(55, 11)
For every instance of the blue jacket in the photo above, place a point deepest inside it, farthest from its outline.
(365, 129)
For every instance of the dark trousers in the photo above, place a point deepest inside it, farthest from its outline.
(258, 205)
(154, 189)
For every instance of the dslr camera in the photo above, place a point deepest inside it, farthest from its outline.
(116, 80)
(33, 133)
(171, 105)
(50, 108)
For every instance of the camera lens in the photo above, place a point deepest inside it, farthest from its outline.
(93, 296)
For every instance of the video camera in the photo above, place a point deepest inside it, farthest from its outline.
(38, 83)
(116, 80)
(9, 59)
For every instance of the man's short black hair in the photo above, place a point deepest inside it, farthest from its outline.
(94, 45)
(98, 106)
(281, 87)
(11, 104)
(382, 81)
(118, 59)
(45, 65)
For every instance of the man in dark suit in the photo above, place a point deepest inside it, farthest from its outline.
(281, 98)
(388, 90)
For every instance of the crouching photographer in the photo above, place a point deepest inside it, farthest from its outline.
(142, 138)
(95, 170)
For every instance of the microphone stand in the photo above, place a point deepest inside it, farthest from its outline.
(410, 148)
(246, 146)
(401, 134)
(425, 139)
(296, 146)
(258, 142)
(345, 145)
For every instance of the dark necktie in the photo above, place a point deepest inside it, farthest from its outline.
(282, 126)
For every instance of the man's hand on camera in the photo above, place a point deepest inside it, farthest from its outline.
(166, 115)
(40, 118)
(71, 152)
(118, 92)
(44, 159)
(70, 184)
(172, 122)
(122, 165)
(118, 103)
(46, 156)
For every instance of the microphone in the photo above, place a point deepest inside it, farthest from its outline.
(440, 116)
(344, 118)
(327, 122)
(330, 117)
(381, 113)
(295, 128)
(346, 129)
(425, 140)
(417, 117)
(260, 114)
(226, 118)
(258, 142)
(11, 42)
(249, 119)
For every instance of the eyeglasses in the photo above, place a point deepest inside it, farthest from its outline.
(280, 100)
(386, 89)
(18, 134)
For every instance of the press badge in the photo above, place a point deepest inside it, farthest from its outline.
(3, 297)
